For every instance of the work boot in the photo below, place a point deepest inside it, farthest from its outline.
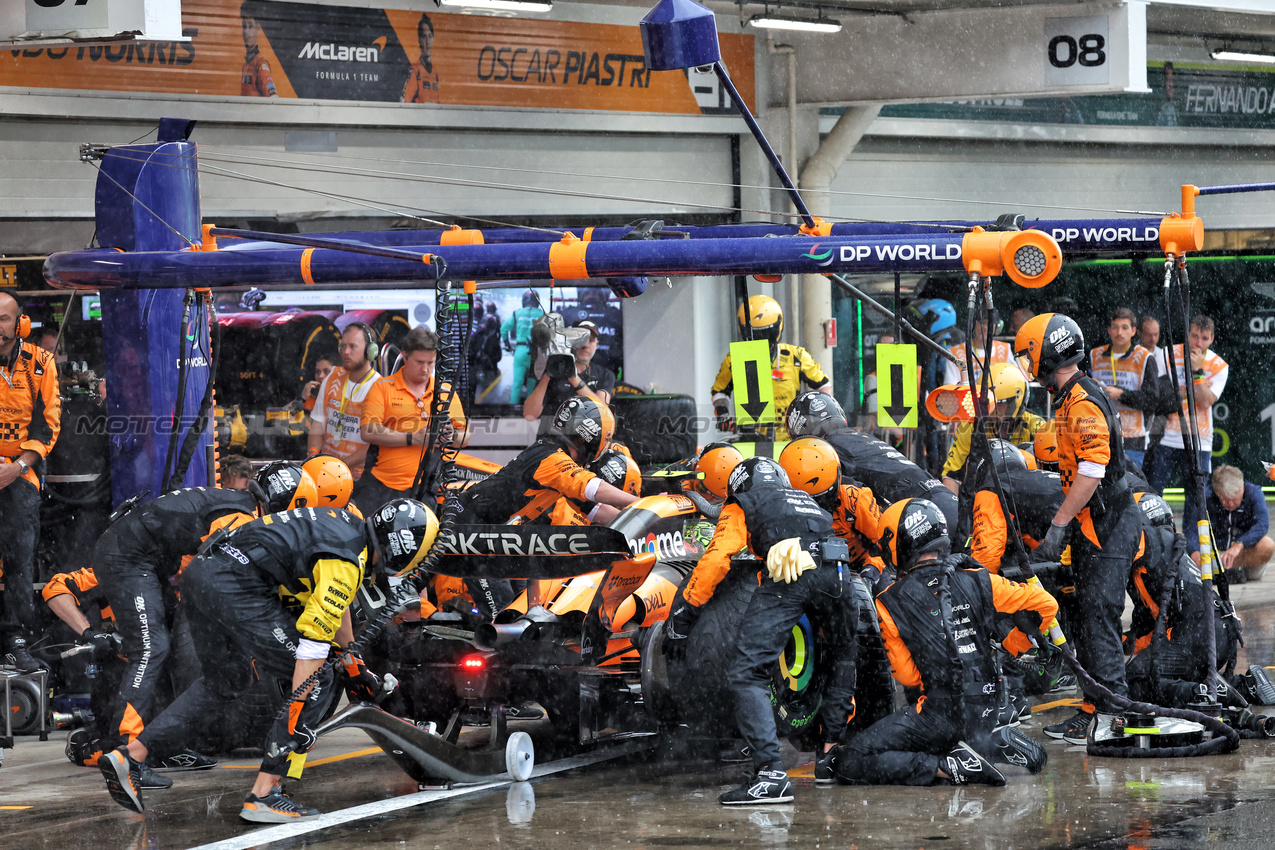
(964, 766)
(123, 778)
(826, 767)
(18, 657)
(768, 786)
(1013, 747)
(1076, 726)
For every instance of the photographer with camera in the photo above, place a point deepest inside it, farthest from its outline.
(563, 380)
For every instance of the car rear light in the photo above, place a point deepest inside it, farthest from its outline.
(473, 662)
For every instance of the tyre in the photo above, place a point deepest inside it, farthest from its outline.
(658, 429)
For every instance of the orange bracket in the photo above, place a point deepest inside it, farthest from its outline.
(209, 242)
(1030, 258)
(1182, 233)
(566, 258)
(305, 266)
(820, 228)
(458, 236)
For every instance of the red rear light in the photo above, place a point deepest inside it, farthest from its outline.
(473, 662)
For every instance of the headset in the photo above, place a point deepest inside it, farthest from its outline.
(24, 321)
(372, 348)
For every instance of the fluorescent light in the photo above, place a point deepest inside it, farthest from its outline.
(503, 5)
(780, 22)
(1232, 56)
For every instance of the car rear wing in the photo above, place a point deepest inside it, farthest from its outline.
(529, 552)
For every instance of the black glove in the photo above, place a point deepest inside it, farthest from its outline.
(677, 630)
(725, 422)
(300, 737)
(361, 684)
(1050, 549)
(104, 643)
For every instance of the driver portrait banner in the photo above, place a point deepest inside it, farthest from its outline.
(274, 49)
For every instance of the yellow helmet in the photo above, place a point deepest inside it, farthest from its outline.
(1009, 384)
(764, 319)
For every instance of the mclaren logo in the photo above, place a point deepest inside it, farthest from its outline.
(342, 52)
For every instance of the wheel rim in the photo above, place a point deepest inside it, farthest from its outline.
(797, 661)
(520, 756)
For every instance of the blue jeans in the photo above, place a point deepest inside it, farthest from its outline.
(1136, 456)
(1167, 458)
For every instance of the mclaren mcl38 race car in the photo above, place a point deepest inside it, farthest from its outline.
(582, 643)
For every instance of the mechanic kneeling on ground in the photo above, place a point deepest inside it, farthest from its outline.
(865, 459)
(1098, 508)
(793, 537)
(137, 561)
(938, 623)
(1241, 519)
(235, 595)
(538, 487)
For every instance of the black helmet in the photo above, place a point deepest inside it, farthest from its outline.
(401, 533)
(1046, 343)
(814, 414)
(530, 298)
(756, 472)
(284, 485)
(615, 468)
(1004, 454)
(1155, 510)
(584, 424)
(909, 529)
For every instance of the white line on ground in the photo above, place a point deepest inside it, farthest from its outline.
(284, 832)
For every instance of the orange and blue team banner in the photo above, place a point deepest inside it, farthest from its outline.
(270, 48)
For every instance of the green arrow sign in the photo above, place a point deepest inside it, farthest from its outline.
(753, 387)
(898, 396)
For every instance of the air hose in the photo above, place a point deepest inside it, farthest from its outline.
(446, 376)
(1227, 739)
(206, 404)
(183, 368)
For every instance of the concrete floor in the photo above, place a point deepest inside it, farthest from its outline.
(1077, 802)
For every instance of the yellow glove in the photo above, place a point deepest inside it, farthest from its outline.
(787, 560)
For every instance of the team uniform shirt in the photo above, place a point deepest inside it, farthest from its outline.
(392, 404)
(1135, 372)
(175, 525)
(340, 414)
(421, 85)
(81, 586)
(314, 556)
(792, 367)
(857, 520)
(256, 80)
(954, 373)
(1085, 442)
(30, 404)
(530, 488)
(1215, 374)
(1023, 432)
(1033, 497)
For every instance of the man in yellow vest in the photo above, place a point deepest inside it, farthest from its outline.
(1130, 377)
(334, 422)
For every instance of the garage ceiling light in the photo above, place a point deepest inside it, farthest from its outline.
(785, 22)
(1232, 56)
(503, 5)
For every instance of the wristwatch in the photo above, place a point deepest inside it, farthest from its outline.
(23, 465)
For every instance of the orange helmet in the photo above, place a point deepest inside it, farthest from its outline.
(812, 465)
(716, 463)
(332, 480)
(283, 485)
(1045, 447)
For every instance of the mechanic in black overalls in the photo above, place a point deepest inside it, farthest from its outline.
(938, 623)
(793, 537)
(1174, 670)
(867, 460)
(137, 561)
(235, 594)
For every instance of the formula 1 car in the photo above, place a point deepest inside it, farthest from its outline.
(583, 641)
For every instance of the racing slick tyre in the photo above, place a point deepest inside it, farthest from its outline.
(658, 429)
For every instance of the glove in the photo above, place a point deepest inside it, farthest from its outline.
(105, 644)
(725, 422)
(677, 629)
(1050, 549)
(362, 684)
(787, 560)
(300, 737)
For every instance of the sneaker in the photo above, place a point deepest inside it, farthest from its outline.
(123, 778)
(964, 766)
(1075, 726)
(82, 748)
(152, 781)
(1263, 688)
(1065, 682)
(526, 711)
(185, 760)
(18, 657)
(768, 786)
(826, 768)
(275, 807)
(1013, 747)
